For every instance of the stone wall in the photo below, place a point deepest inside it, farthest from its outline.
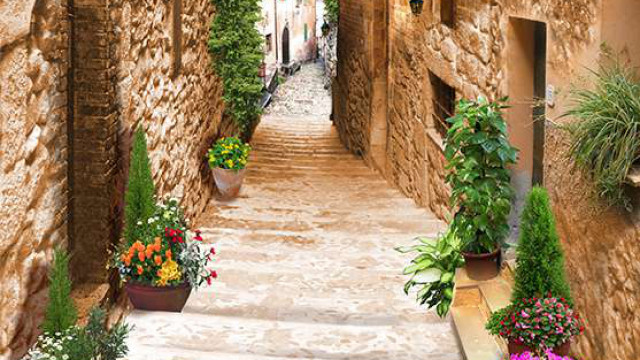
(33, 160)
(178, 101)
(473, 57)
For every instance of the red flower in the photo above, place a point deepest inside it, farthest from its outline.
(214, 274)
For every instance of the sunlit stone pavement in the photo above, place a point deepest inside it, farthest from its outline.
(306, 263)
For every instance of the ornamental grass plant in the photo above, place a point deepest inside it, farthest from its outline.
(605, 138)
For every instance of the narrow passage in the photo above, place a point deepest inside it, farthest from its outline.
(306, 263)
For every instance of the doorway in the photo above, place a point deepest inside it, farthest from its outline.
(527, 47)
(286, 57)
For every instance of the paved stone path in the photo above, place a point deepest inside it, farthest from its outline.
(306, 263)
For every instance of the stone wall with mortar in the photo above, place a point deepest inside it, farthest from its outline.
(33, 161)
(601, 244)
(178, 102)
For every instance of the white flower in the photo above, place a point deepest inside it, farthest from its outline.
(151, 220)
(65, 357)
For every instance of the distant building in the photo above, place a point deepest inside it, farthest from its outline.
(289, 30)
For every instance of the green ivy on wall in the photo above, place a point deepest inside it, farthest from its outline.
(236, 46)
(332, 10)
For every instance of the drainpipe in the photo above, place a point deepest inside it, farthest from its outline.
(275, 13)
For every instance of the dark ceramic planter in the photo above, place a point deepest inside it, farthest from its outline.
(229, 182)
(482, 266)
(562, 350)
(151, 298)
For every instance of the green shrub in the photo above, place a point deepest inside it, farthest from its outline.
(61, 312)
(332, 10)
(92, 342)
(139, 198)
(478, 153)
(540, 261)
(605, 141)
(236, 46)
(434, 269)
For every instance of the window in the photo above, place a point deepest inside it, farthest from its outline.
(306, 32)
(268, 42)
(444, 103)
(448, 12)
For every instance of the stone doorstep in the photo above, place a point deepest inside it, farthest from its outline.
(473, 303)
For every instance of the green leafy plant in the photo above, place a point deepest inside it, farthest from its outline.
(433, 270)
(236, 46)
(229, 153)
(478, 153)
(605, 139)
(61, 312)
(540, 260)
(92, 342)
(139, 197)
(332, 10)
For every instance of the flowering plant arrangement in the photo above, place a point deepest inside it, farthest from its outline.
(539, 324)
(166, 252)
(548, 355)
(229, 153)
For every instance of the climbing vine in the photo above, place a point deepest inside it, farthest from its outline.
(236, 47)
(332, 10)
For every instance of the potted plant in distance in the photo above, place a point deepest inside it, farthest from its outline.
(228, 159)
(478, 152)
(161, 260)
(433, 270)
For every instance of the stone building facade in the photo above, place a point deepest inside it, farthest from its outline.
(399, 75)
(76, 78)
(289, 30)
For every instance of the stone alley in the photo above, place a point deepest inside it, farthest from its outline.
(306, 260)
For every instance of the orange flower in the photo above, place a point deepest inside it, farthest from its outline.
(157, 247)
(123, 257)
(158, 260)
(132, 250)
(157, 240)
(127, 260)
(141, 255)
(140, 270)
(149, 251)
(139, 246)
(168, 254)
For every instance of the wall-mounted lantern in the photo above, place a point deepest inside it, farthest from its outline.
(325, 29)
(416, 6)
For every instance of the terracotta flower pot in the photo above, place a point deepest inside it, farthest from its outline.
(167, 298)
(228, 182)
(561, 350)
(482, 266)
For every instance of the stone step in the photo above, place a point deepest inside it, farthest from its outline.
(476, 342)
(221, 334)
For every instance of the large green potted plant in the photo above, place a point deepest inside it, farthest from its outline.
(161, 259)
(478, 154)
(433, 270)
(228, 160)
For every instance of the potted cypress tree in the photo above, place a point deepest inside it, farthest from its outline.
(541, 287)
(161, 260)
(478, 152)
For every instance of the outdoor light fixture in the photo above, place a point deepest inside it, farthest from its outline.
(416, 6)
(325, 29)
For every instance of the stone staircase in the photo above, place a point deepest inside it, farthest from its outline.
(306, 263)
(473, 303)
